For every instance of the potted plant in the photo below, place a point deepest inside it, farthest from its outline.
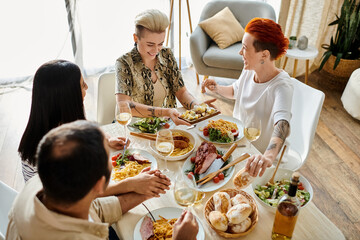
(343, 52)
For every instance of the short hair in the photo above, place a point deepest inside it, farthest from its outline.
(268, 36)
(153, 20)
(71, 159)
(56, 99)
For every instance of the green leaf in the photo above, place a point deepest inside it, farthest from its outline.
(337, 61)
(325, 57)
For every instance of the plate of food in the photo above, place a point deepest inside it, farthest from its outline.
(199, 161)
(162, 229)
(269, 195)
(135, 160)
(221, 129)
(184, 143)
(150, 124)
(199, 113)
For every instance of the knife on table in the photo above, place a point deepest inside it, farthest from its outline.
(219, 162)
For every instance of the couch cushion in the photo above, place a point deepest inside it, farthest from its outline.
(228, 58)
(223, 28)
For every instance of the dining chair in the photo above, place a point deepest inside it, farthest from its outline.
(106, 98)
(306, 107)
(7, 198)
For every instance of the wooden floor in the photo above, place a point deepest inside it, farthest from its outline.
(333, 166)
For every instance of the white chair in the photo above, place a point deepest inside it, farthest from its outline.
(306, 107)
(106, 98)
(351, 95)
(6, 200)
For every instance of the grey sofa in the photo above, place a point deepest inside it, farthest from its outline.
(207, 57)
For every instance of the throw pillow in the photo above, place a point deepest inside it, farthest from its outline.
(223, 28)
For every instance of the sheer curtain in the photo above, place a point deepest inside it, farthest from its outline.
(36, 31)
(309, 18)
(32, 32)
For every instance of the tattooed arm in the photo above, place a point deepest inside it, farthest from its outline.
(188, 100)
(257, 162)
(142, 110)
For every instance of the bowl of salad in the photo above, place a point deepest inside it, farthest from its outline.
(268, 195)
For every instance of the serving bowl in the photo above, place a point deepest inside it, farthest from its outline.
(210, 206)
(191, 138)
(281, 174)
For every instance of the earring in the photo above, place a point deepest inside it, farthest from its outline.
(262, 61)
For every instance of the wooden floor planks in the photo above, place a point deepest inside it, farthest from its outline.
(333, 166)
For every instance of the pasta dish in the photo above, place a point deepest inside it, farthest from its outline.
(221, 131)
(163, 228)
(131, 169)
(181, 151)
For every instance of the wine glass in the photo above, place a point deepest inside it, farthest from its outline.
(185, 191)
(165, 146)
(123, 117)
(252, 129)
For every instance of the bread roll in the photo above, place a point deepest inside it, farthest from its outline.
(218, 220)
(241, 227)
(239, 198)
(242, 179)
(238, 213)
(222, 202)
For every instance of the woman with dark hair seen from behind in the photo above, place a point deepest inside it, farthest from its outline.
(57, 98)
(262, 90)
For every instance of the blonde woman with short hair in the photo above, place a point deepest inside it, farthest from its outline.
(148, 76)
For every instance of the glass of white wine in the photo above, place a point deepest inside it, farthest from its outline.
(123, 117)
(165, 146)
(185, 192)
(252, 129)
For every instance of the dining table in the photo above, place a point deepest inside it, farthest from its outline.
(311, 223)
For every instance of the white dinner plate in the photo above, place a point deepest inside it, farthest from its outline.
(135, 129)
(204, 123)
(187, 134)
(168, 213)
(143, 153)
(209, 186)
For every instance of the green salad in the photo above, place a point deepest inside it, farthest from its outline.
(271, 193)
(151, 124)
(216, 136)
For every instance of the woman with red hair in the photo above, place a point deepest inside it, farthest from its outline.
(263, 90)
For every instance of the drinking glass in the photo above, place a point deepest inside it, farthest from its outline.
(252, 129)
(123, 117)
(165, 146)
(185, 191)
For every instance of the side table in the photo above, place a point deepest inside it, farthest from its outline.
(297, 54)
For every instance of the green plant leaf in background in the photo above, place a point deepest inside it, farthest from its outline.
(346, 44)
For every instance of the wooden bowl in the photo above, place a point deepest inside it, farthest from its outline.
(209, 207)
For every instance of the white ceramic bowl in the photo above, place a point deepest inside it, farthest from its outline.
(280, 175)
(176, 158)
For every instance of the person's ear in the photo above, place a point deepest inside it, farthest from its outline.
(265, 54)
(100, 186)
(135, 38)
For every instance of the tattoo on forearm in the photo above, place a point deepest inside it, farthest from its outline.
(132, 105)
(190, 105)
(271, 146)
(152, 111)
(282, 130)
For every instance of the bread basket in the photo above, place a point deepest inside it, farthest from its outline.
(253, 216)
